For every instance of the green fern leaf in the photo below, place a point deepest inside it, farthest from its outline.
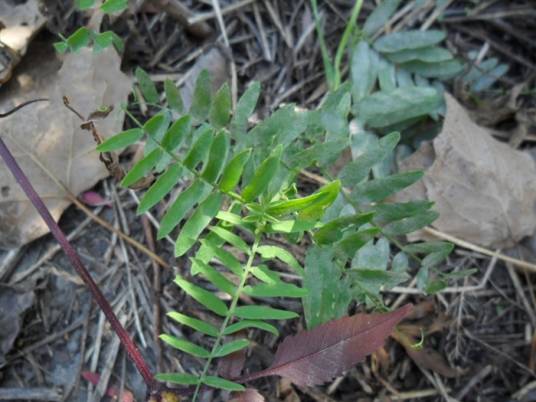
(198, 325)
(202, 296)
(263, 313)
(160, 188)
(220, 110)
(185, 346)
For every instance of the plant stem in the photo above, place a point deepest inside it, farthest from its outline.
(344, 42)
(131, 349)
(326, 58)
(230, 312)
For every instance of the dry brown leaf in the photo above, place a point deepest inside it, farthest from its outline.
(18, 24)
(485, 191)
(46, 138)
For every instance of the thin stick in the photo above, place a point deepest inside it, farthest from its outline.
(75, 260)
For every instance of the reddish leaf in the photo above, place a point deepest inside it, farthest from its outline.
(113, 392)
(316, 356)
(231, 366)
(249, 395)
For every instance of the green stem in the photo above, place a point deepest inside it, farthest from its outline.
(344, 41)
(326, 58)
(230, 313)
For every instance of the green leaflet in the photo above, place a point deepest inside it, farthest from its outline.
(182, 205)
(218, 382)
(214, 277)
(381, 188)
(264, 174)
(380, 15)
(373, 255)
(201, 98)
(121, 140)
(280, 289)
(202, 296)
(263, 273)
(178, 378)
(245, 108)
(199, 151)
(79, 39)
(269, 252)
(363, 71)
(230, 238)
(217, 158)
(329, 293)
(185, 346)
(160, 188)
(309, 207)
(225, 257)
(354, 241)
(233, 171)
(84, 4)
(176, 134)
(198, 325)
(441, 69)
(431, 54)
(429, 247)
(173, 96)
(245, 324)
(411, 224)
(263, 313)
(386, 213)
(334, 230)
(231, 347)
(220, 110)
(147, 87)
(197, 223)
(382, 109)
(142, 168)
(404, 40)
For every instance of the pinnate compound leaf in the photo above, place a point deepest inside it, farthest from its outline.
(313, 357)
(160, 188)
(197, 223)
(121, 140)
(173, 96)
(147, 87)
(398, 41)
(384, 108)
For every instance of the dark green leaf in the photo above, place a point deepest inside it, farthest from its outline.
(363, 70)
(160, 188)
(432, 54)
(230, 238)
(176, 134)
(411, 224)
(354, 241)
(334, 230)
(201, 97)
(147, 87)
(219, 150)
(379, 17)
(184, 203)
(244, 108)
(270, 252)
(197, 223)
(214, 277)
(280, 289)
(121, 140)
(225, 257)
(381, 188)
(233, 171)
(84, 4)
(142, 168)
(201, 148)
(173, 96)
(264, 174)
(178, 378)
(443, 69)
(385, 213)
(220, 109)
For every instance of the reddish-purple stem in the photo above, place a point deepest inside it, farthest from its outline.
(132, 350)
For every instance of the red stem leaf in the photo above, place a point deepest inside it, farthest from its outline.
(316, 356)
(131, 349)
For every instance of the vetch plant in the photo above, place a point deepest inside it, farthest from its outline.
(241, 193)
